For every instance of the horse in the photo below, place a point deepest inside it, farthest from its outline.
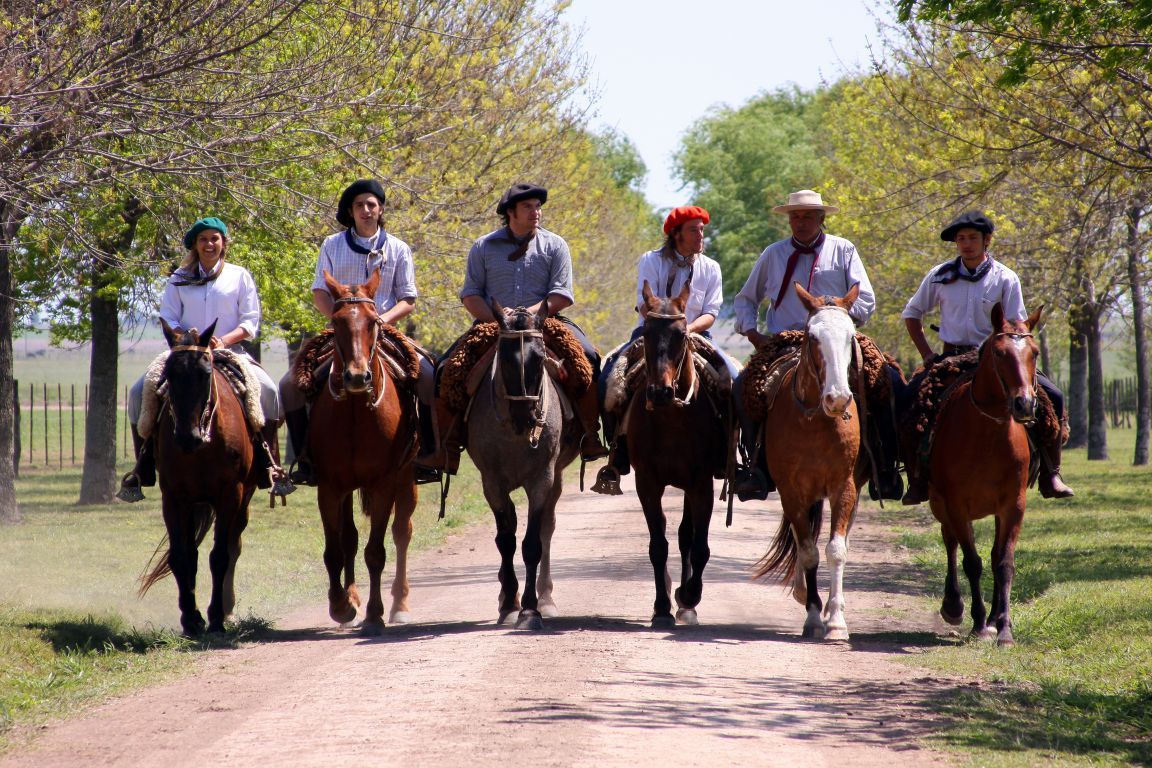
(522, 434)
(812, 438)
(204, 457)
(362, 437)
(979, 466)
(676, 435)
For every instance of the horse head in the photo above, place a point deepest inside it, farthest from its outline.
(829, 342)
(520, 356)
(188, 371)
(1010, 352)
(354, 326)
(666, 346)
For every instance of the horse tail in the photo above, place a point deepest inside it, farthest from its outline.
(780, 559)
(203, 515)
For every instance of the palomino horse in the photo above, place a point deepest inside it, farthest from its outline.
(979, 467)
(204, 460)
(812, 443)
(675, 436)
(520, 436)
(361, 437)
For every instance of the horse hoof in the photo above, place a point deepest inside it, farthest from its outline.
(371, 628)
(503, 618)
(663, 621)
(530, 620)
(549, 610)
(952, 618)
(987, 634)
(687, 617)
(836, 633)
(1005, 640)
(344, 615)
(400, 617)
(815, 632)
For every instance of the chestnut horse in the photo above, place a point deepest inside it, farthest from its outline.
(521, 434)
(812, 444)
(979, 467)
(676, 436)
(361, 437)
(204, 460)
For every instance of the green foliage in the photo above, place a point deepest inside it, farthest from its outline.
(622, 159)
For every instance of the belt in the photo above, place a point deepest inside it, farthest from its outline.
(951, 350)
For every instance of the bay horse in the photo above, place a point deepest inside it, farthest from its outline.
(979, 467)
(362, 437)
(676, 436)
(812, 441)
(522, 433)
(204, 458)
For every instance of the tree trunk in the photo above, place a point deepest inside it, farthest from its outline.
(1097, 413)
(9, 510)
(1045, 362)
(98, 483)
(1077, 393)
(1136, 291)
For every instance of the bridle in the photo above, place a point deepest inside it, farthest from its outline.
(1014, 336)
(338, 396)
(685, 354)
(207, 416)
(539, 412)
(810, 411)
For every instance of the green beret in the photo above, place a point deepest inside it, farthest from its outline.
(208, 222)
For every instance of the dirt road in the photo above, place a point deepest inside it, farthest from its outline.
(596, 688)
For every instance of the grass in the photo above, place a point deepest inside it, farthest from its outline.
(1077, 687)
(72, 630)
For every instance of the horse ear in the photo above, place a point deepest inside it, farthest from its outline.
(207, 335)
(1034, 318)
(646, 292)
(335, 288)
(498, 312)
(169, 334)
(808, 300)
(685, 292)
(373, 283)
(850, 297)
(997, 317)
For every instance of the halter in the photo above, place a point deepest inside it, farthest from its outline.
(809, 412)
(1000, 379)
(338, 396)
(208, 415)
(687, 353)
(522, 336)
(540, 412)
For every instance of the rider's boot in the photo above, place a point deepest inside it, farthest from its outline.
(426, 431)
(1051, 485)
(297, 421)
(445, 451)
(143, 474)
(588, 408)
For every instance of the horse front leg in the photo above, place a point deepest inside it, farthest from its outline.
(225, 552)
(342, 604)
(1004, 572)
(694, 551)
(234, 552)
(504, 512)
(402, 537)
(973, 569)
(952, 606)
(808, 561)
(378, 503)
(180, 521)
(651, 496)
(546, 604)
(843, 511)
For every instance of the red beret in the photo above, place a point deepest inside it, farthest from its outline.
(683, 213)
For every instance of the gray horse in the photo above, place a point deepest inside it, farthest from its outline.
(522, 434)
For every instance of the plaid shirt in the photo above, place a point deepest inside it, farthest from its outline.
(545, 269)
(390, 253)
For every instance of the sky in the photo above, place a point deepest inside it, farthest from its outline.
(658, 66)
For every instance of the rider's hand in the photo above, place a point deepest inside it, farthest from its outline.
(215, 343)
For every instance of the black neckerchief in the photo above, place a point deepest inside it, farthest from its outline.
(183, 278)
(951, 272)
(521, 245)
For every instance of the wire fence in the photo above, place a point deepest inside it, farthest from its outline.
(50, 421)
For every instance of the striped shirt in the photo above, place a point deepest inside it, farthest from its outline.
(966, 306)
(390, 253)
(837, 269)
(544, 269)
(230, 301)
(707, 293)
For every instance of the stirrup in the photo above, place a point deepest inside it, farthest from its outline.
(299, 476)
(608, 481)
(130, 493)
(917, 493)
(423, 474)
(751, 485)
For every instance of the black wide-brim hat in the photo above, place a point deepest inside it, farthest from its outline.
(518, 192)
(358, 187)
(968, 220)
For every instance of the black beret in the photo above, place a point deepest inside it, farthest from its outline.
(358, 187)
(518, 192)
(968, 220)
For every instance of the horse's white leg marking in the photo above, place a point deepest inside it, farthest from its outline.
(837, 552)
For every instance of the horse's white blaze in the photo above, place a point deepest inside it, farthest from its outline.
(834, 331)
(837, 553)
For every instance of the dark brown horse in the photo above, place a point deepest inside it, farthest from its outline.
(979, 467)
(362, 438)
(204, 460)
(812, 444)
(676, 437)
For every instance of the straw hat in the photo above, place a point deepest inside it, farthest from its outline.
(805, 200)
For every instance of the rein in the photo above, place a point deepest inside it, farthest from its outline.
(540, 411)
(208, 415)
(372, 363)
(1000, 379)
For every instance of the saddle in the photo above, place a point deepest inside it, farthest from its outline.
(236, 369)
(628, 376)
(399, 353)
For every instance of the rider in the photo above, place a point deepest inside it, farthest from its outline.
(826, 265)
(679, 260)
(966, 289)
(520, 265)
(351, 256)
(206, 288)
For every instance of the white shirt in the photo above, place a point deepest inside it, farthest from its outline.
(230, 301)
(965, 306)
(706, 295)
(390, 253)
(838, 267)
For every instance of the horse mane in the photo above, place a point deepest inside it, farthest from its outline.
(317, 351)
